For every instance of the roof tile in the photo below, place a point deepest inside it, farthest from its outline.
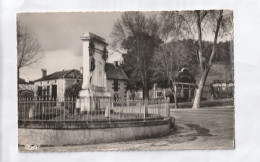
(114, 72)
(63, 74)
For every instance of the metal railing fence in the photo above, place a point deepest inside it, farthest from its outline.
(99, 110)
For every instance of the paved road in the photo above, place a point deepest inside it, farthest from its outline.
(208, 128)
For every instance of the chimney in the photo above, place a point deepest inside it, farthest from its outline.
(44, 72)
(81, 70)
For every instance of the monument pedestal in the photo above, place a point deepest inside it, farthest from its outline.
(93, 99)
(94, 94)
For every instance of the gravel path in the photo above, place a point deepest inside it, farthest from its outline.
(207, 128)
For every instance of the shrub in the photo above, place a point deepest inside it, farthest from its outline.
(73, 91)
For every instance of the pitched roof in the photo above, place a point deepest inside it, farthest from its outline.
(114, 72)
(21, 81)
(185, 76)
(75, 74)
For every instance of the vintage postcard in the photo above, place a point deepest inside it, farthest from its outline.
(106, 81)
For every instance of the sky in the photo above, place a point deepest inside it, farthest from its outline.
(59, 34)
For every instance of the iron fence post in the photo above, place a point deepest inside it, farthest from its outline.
(109, 110)
(167, 110)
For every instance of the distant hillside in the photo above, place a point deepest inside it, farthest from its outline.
(218, 71)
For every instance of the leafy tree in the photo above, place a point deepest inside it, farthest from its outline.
(139, 36)
(29, 49)
(73, 91)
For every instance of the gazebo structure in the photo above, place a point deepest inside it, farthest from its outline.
(185, 85)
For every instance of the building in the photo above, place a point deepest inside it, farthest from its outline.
(116, 81)
(52, 87)
(99, 78)
(219, 84)
(185, 85)
(25, 89)
(157, 92)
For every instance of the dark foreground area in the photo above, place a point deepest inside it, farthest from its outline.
(207, 128)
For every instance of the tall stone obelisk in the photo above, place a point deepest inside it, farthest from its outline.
(86, 61)
(94, 76)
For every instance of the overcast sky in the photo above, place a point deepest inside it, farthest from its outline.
(59, 35)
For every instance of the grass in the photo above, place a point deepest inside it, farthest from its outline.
(213, 103)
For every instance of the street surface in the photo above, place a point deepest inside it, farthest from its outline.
(207, 128)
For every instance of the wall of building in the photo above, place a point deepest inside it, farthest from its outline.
(154, 93)
(157, 92)
(122, 92)
(61, 86)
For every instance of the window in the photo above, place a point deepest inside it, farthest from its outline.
(48, 92)
(54, 92)
(39, 91)
(159, 94)
(115, 85)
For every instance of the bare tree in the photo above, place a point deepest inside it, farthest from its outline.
(200, 25)
(168, 60)
(29, 49)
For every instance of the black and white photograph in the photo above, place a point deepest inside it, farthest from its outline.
(129, 81)
(125, 81)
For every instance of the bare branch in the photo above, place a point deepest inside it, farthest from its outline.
(29, 49)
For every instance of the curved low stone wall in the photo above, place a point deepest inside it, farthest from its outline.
(96, 133)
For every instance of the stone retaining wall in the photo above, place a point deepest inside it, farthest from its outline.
(122, 132)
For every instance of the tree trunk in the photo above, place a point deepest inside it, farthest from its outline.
(205, 70)
(146, 93)
(18, 76)
(175, 97)
(197, 99)
(146, 90)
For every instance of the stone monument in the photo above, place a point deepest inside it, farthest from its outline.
(94, 84)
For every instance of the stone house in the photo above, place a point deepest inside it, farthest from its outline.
(116, 81)
(52, 87)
